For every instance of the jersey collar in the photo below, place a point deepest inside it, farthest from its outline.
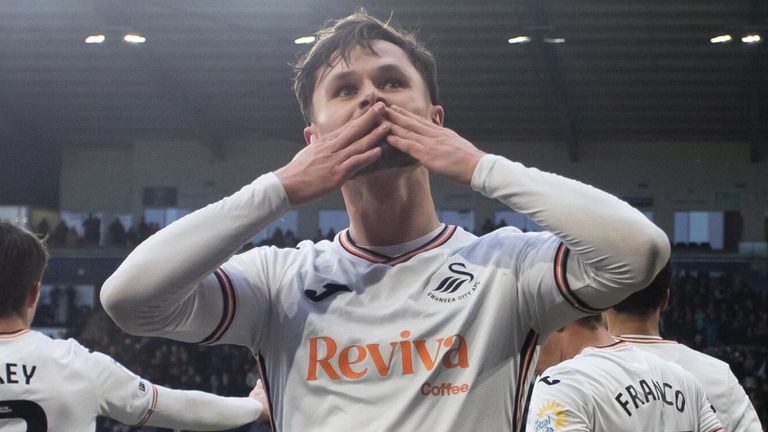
(644, 339)
(14, 334)
(346, 242)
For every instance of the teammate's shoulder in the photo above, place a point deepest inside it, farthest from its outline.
(702, 356)
(67, 353)
(573, 369)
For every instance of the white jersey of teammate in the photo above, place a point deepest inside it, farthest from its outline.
(59, 385)
(731, 403)
(619, 388)
(439, 335)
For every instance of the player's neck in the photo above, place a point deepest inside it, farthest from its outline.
(580, 338)
(625, 324)
(12, 324)
(390, 207)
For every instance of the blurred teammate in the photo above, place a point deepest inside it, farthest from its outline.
(401, 322)
(593, 382)
(636, 320)
(59, 385)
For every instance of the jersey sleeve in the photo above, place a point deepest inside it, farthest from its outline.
(605, 249)
(171, 285)
(739, 415)
(551, 283)
(247, 285)
(121, 394)
(557, 407)
(708, 421)
(196, 410)
(127, 398)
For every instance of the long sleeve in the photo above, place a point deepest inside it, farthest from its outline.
(166, 287)
(195, 410)
(617, 250)
(124, 396)
(738, 415)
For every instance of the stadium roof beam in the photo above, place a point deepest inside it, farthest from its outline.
(545, 54)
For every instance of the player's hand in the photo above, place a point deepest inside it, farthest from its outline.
(260, 396)
(328, 161)
(438, 148)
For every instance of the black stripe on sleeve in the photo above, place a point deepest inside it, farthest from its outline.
(263, 373)
(526, 356)
(228, 312)
(561, 280)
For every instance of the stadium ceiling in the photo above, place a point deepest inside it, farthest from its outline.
(218, 71)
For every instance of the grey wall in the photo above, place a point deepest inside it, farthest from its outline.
(676, 175)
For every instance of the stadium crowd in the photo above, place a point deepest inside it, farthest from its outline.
(723, 316)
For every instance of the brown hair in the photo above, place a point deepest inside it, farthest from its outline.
(335, 43)
(23, 258)
(646, 301)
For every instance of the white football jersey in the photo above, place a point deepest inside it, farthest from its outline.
(619, 388)
(59, 385)
(442, 337)
(731, 403)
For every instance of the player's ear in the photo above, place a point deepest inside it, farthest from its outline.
(33, 296)
(665, 302)
(438, 115)
(308, 131)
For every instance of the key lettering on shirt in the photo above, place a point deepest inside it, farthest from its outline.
(13, 373)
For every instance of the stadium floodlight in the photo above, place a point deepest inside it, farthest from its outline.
(134, 39)
(554, 40)
(751, 38)
(304, 40)
(522, 39)
(724, 38)
(95, 39)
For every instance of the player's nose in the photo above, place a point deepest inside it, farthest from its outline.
(369, 98)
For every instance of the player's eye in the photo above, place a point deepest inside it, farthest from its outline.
(392, 84)
(344, 91)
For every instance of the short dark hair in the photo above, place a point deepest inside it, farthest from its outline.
(23, 258)
(335, 43)
(650, 298)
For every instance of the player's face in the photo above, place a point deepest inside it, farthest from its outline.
(348, 90)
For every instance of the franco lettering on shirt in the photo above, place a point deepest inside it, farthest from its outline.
(14, 373)
(648, 393)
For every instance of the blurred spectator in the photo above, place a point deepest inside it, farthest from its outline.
(43, 229)
(142, 230)
(92, 230)
(59, 237)
(72, 238)
(117, 234)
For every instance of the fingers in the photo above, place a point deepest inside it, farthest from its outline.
(373, 139)
(409, 120)
(405, 145)
(360, 161)
(357, 128)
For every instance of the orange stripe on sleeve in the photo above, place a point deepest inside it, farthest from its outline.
(151, 410)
